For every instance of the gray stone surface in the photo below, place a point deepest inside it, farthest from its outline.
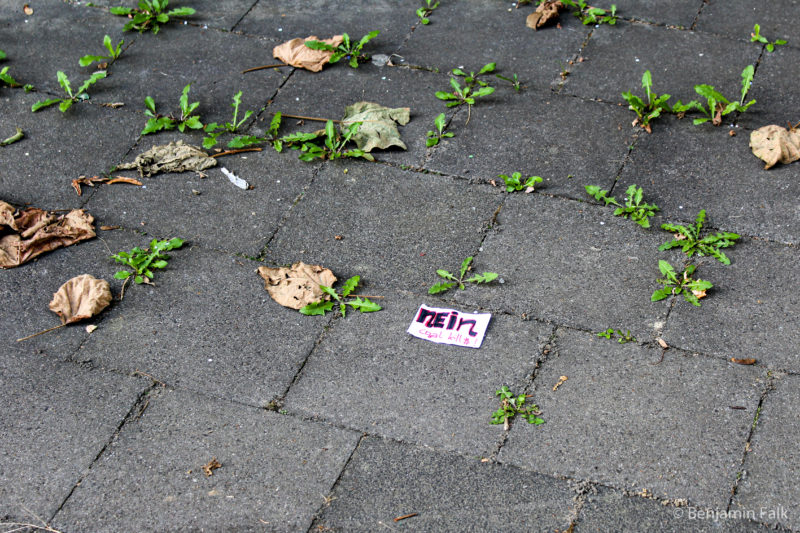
(537, 57)
(539, 134)
(768, 487)
(221, 216)
(208, 325)
(610, 510)
(283, 20)
(570, 263)
(319, 95)
(668, 428)
(441, 223)
(274, 470)
(680, 13)
(220, 14)
(736, 19)
(385, 480)
(617, 56)
(742, 316)
(59, 147)
(715, 172)
(55, 419)
(369, 374)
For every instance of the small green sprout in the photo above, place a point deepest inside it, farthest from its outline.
(683, 283)
(333, 143)
(592, 15)
(435, 136)
(347, 49)
(486, 277)
(150, 14)
(362, 304)
(113, 54)
(513, 80)
(623, 337)
(645, 112)
(76, 96)
(512, 405)
(757, 37)
(214, 130)
(689, 240)
(515, 182)
(718, 105)
(474, 88)
(425, 11)
(634, 206)
(142, 262)
(158, 122)
(242, 141)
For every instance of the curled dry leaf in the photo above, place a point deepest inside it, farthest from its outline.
(297, 286)
(83, 180)
(774, 144)
(560, 382)
(297, 54)
(80, 298)
(743, 361)
(209, 467)
(545, 12)
(378, 125)
(661, 342)
(29, 233)
(172, 157)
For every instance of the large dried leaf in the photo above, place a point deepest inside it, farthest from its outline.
(774, 144)
(172, 157)
(297, 286)
(545, 12)
(32, 232)
(81, 297)
(297, 54)
(379, 125)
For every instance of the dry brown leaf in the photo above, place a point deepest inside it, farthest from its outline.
(662, 343)
(774, 144)
(743, 361)
(123, 179)
(27, 9)
(172, 157)
(80, 298)
(90, 328)
(699, 294)
(297, 286)
(209, 467)
(560, 382)
(32, 232)
(545, 12)
(297, 54)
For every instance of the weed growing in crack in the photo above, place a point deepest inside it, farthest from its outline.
(683, 283)
(756, 37)
(516, 182)
(158, 122)
(473, 88)
(362, 304)
(718, 105)
(435, 136)
(150, 14)
(645, 112)
(72, 96)
(512, 405)
(214, 130)
(639, 211)
(622, 338)
(113, 54)
(333, 143)
(486, 277)
(425, 11)
(688, 238)
(348, 49)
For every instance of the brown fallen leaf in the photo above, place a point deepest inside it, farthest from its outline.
(172, 157)
(743, 361)
(28, 10)
(29, 233)
(699, 294)
(83, 180)
(662, 343)
(560, 382)
(123, 179)
(109, 228)
(297, 54)
(297, 286)
(774, 144)
(545, 12)
(80, 298)
(378, 125)
(209, 467)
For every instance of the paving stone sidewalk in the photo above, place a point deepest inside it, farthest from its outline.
(348, 423)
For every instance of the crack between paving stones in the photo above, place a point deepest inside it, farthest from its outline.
(768, 386)
(697, 16)
(233, 28)
(562, 79)
(265, 249)
(140, 400)
(327, 500)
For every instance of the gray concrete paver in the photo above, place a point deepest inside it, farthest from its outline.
(623, 421)
(386, 480)
(274, 470)
(368, 374)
